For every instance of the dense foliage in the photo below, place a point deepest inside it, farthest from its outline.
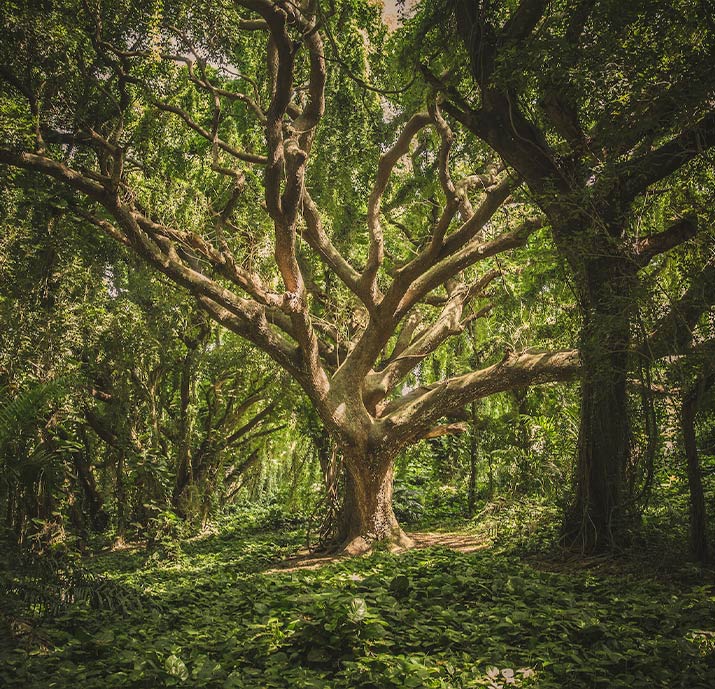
(279, 274)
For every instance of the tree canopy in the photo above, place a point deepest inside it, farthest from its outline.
(359, 227)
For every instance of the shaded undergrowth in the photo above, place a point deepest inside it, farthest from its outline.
(216, 614)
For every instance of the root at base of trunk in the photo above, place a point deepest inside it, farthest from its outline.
(359, 545)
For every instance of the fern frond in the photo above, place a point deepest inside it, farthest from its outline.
(20, 412)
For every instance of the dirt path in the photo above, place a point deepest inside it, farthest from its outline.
(464, 543)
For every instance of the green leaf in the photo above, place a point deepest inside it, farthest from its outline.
(176, 667)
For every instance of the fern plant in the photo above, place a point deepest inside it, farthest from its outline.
(20, 412)
(30, 470)
(36, 587)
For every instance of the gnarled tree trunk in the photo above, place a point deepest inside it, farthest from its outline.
(367, 514)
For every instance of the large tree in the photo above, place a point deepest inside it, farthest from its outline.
(600, 107)
(198, 136)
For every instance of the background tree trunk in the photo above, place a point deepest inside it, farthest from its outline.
(94, 503)
(120, 494)
(473, 457)
(184, 467)
(525, 474)
(599, 516)
(698, 515)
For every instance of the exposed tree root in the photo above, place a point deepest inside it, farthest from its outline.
(398, 542)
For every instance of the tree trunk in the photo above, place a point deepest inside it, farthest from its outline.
(490, 481)
(599, 517)
(98, 518)
(472, 496)
(121, 495)
(12, 490)
(698, 516)
(525, 473)
(367, 515)
(184, 479)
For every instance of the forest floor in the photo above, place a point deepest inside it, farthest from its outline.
(460, 541)
(470, 607)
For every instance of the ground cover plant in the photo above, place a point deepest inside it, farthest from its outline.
(221, 612)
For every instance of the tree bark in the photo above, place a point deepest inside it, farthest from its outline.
(120, 495)
(599, 516)
(185, 478)
(472, 496)
(524, 481)
(98, 517)
(698, 514)
(367, 515)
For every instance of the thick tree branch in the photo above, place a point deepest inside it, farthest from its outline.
(639, 174)
(384, 170)
(409, 288)
(523, 20)
(54, 169)
(409, 417)
(495, 198)
(445, 429)
(453, 201)
(678, 233)
(448, 323)
(471, 253)
(258, 331)
(319, 241)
